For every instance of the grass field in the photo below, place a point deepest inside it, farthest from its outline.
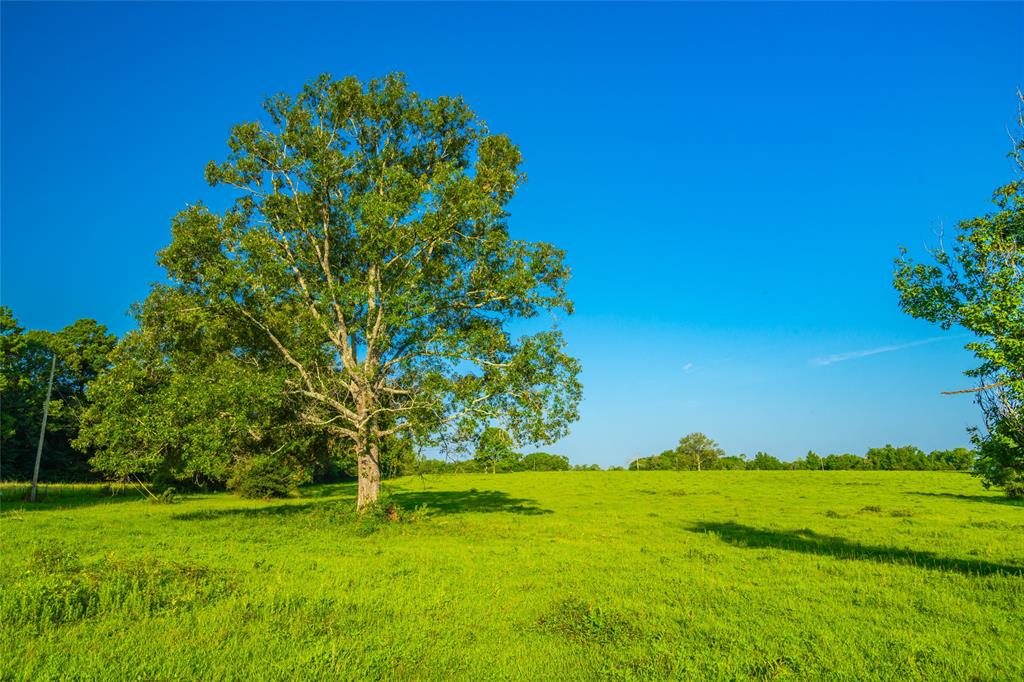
(561, 576)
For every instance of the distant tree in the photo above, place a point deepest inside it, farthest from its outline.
(814, 461)
(587, 467)
(734, 463)
(543, 461)
(979, 285)
(764, 462)
(665, 460)
(496, 449)
(891, 458)
(697, 451)
(958, 459)
(844, 462)
(432, 466)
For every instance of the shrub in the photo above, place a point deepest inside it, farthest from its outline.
(543, 461)
(1000, 462)
(264, 477)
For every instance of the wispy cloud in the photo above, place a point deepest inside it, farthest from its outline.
(688, 367)
(853, 355)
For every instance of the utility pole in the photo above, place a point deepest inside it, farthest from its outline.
(42, 429)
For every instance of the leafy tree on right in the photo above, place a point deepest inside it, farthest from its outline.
(979, 285)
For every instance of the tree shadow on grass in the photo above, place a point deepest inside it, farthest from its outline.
(809, 542)
(268, 509)
(342, 506)
(468, 501)
(991, 499)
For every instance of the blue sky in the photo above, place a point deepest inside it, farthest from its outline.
(731, 182)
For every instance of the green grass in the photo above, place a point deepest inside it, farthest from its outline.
(561, 576)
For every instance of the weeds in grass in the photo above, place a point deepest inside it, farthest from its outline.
(585, 623)
(772, 668)
(58, 588)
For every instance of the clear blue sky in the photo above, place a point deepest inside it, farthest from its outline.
(731, 182)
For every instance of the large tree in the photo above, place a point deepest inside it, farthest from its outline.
(368, 245)
(978, 285)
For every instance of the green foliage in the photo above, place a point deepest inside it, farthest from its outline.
(587, 467)
(764, 462)
(183, 401)
(814, 461)
(892, 458)
(844, 462)
(734, 463)
(888, 458)
(495, 449)
(694, 452)
(543, 461)
(266, 476)
(957, 459)
(82, 350)
(1000, 462)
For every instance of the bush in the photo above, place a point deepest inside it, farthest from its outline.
(263, 477)
(543, 461)
(1000, 462)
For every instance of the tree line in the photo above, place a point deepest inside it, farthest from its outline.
(697, 452)
(82, 351)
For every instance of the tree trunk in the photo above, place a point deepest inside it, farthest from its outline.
(369, 476)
